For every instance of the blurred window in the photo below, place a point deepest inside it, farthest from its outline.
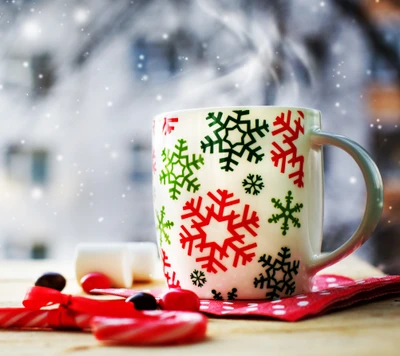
(39, 167)
(16, 74)
(27, 166)
(43, 74)
(34, 75)
(141, 162)
(154, 61)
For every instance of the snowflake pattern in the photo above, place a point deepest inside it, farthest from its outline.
(286, 213)
(167, 126)
(231, 295)
(179, 169)
(221, 210)
(286, 151)
(279, 274)
(216, 295)
(253, 184)
(198, 278)
(172, 281)
(163, 226)
(234, 137)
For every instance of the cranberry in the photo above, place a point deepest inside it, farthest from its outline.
(95, 280)
(179, 299)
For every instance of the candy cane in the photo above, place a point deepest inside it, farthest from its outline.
(154, 328)
(43, 319)
(22, 318)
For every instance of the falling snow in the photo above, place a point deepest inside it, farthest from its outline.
(106, 93)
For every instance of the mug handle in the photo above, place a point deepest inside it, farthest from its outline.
(374, 203)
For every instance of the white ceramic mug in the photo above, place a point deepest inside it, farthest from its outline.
(238, 200)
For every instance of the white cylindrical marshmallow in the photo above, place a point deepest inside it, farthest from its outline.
(112, 259)
(144, 259)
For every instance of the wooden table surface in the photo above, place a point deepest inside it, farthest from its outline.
(369, 329)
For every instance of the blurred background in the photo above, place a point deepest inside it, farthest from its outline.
(81, 80)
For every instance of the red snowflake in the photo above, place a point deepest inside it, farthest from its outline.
(287, 151)
(215, 249)
(172, 281)
(168, 127)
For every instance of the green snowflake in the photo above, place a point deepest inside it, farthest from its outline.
(234, 137)
(162, 226)
(179, 169)
(286, 213)
(253, 184)
(198, 278)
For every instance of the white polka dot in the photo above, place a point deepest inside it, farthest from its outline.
(279, 312)
(252, 309)
(279, 306)
(331, 279)
(204, 302)
(225, 311)
(303, 303)
(332, 285)
(276, 301)
(314, 288)
(253, 304)
(227, 303)
(203, 307)
(227, 307)
(302, 296)
(324, 293)
(361, 281)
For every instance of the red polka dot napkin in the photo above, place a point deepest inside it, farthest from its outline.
(330, 292)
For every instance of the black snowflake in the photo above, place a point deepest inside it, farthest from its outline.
(253, 184)
(234, 137)
(232, 295)
(278, 283)
(198, 278)
(216, 295)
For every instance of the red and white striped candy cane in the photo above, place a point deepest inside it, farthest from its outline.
(23, 318)
(154, 328)
(43, 319)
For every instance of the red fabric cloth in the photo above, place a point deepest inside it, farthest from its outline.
(330, 292)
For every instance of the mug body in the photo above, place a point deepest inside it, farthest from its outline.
(238, 200)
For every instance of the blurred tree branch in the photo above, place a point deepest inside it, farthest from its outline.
(357, 11)
(114, 24)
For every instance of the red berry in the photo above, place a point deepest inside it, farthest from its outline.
(179, 299)
(95, 280)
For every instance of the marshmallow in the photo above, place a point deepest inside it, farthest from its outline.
(120, 262)
(113, 260)
(144, 259)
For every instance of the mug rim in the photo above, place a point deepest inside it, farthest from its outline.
(213, 108)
